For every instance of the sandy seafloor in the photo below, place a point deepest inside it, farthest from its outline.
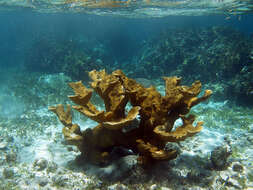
(33, 154)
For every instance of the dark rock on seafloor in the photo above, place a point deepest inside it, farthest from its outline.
(59, 181)
(117, 187)
(200, 175)
(52, 167)
(42, 181)
(11, 157)
(237, 167)
(117, 170)
(8, 173)
(250, 139)
(3, 145)
(40, 164)
(173, 146)
(219, 157)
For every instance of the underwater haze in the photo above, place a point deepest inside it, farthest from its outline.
(128, 94)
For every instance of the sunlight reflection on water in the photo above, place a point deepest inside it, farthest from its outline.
(133, 8)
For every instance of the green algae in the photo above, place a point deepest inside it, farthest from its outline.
(236, 152)
(250, 176)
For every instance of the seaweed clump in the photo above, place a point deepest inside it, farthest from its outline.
(151, 117)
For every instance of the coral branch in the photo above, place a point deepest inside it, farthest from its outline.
(194, 101)
(64, 117)
(90, 111)
(82, 94)
(73, 135)
(150, 151)
(71, 132)
(181, 133)
(116, 125)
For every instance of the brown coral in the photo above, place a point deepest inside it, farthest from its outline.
(157, 116)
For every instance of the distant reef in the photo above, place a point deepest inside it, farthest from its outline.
(219, 56)
(73, 57)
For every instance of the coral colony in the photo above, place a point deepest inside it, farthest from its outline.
(156, 115)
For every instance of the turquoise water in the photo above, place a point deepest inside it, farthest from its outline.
(45, 45)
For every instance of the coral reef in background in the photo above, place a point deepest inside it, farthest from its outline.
(145, 129)
(218, 56)
(215, 55)
(73, 57)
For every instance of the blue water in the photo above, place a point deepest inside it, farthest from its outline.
(42, 50)
(124, 35)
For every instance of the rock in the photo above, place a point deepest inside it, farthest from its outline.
(117, 187)
(173, 146)
(112, 187)
(251, 128)
(10, 139)
(40, 164)
(237, 182)
(70, 148)
(11, 157)
(219, 157)
(250, 138)
(227, 139)
(237, 167)
(224, 175)
(119, 152)
(8, 172)
(3, 145)
(117, 170)
(200, 175)
(194, 175)
(52, 167)
(165, 188)
(59, 180)
(42, 181)
(153, 187)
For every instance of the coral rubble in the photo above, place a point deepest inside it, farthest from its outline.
(152, 129)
